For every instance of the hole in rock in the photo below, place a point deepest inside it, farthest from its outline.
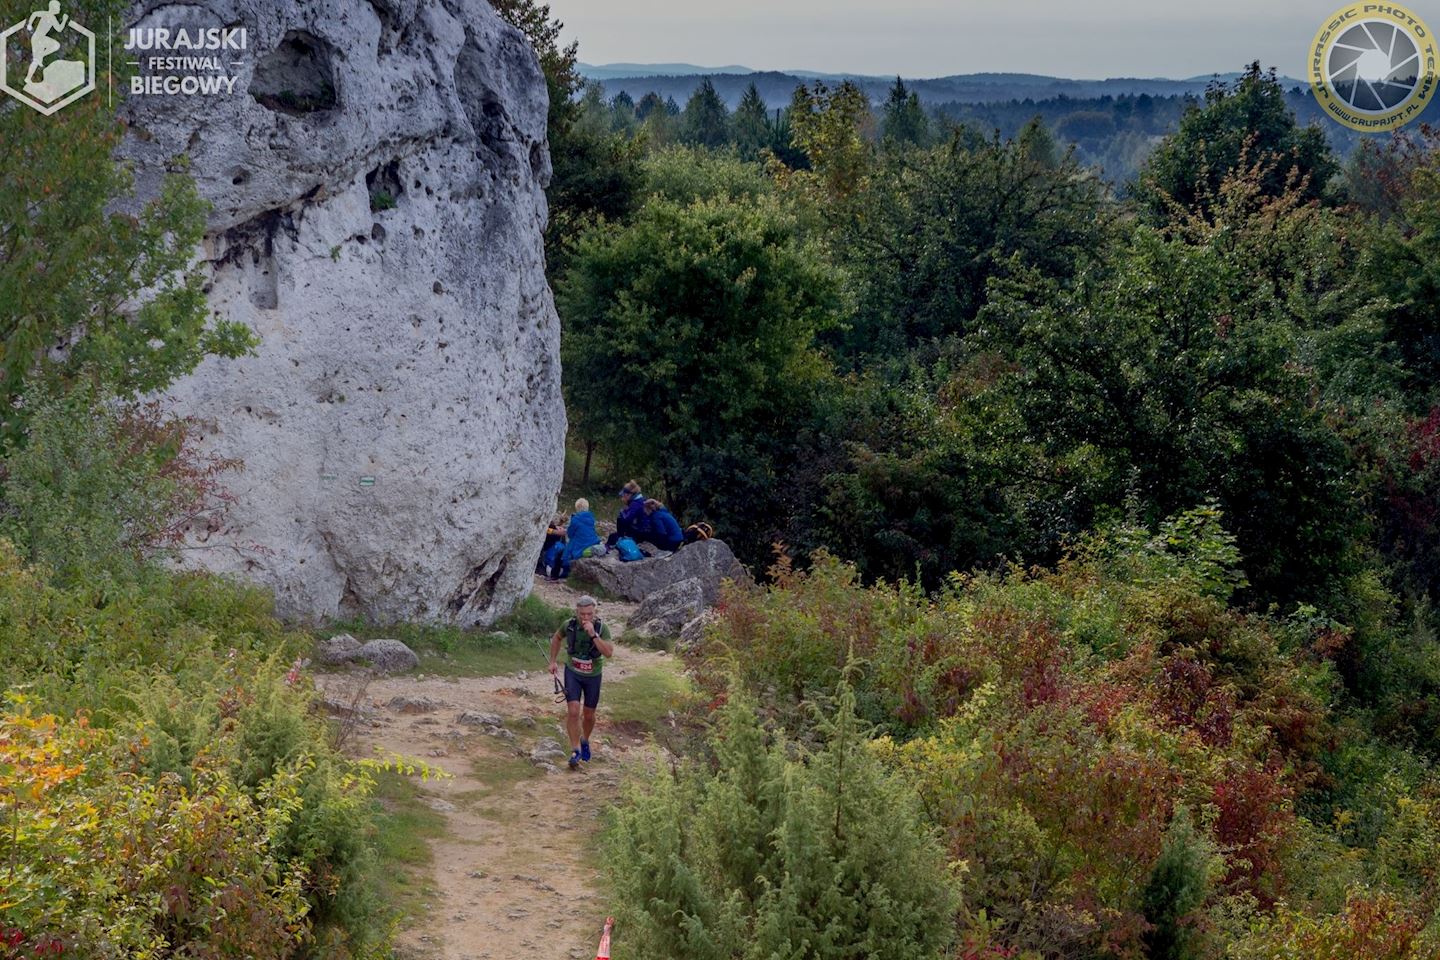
(297, 77)
(384, 186)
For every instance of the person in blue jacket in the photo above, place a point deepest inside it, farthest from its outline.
(632, 522)
(580, 536)
(665, 530)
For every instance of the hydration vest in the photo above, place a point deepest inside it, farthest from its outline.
(578, 643)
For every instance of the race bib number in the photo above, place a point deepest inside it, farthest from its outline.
(582, 666)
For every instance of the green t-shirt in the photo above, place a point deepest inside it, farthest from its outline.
(588, 659)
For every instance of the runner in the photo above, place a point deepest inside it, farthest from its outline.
(587, 643)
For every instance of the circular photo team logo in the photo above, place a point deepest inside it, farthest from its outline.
(1372, 66)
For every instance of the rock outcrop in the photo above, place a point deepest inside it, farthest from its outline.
(377, 186)
(710, 563)
(662, 615)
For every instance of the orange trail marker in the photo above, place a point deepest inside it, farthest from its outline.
(603, 951)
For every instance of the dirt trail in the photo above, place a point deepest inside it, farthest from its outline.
(513, 873)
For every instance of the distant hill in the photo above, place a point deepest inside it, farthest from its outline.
(612, 71)
(680, 80)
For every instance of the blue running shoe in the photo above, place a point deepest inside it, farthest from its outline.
(575, 760)
(585, 750)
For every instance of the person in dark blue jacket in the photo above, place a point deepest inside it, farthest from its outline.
(554, 546)
(665, 530)
(632, 522)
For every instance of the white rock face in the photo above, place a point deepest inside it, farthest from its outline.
(377, 180)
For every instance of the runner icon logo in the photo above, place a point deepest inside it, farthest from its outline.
(60, 68)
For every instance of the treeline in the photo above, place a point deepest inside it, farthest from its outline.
(1135, 504)
(1113, 134)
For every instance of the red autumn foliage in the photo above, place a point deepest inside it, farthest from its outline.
(1255, 819)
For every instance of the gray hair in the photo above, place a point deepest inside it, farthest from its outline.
(586, 601)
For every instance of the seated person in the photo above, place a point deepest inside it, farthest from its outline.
(665, 530)
(581, 537)
(554, 534)
(632, 521)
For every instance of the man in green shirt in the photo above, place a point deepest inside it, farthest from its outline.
(586, 642)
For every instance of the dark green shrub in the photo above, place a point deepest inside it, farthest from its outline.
(822, 857)
(1177, 888)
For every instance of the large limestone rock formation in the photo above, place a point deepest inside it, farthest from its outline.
(377, 180)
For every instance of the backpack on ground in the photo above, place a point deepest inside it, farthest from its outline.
(628, 549)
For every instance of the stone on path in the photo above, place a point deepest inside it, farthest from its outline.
(414, 704)
(388, 656)
(339, 649)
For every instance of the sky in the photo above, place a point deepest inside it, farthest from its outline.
(1083, 39)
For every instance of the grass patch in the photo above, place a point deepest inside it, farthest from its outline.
(404, 824)
(516, 642)
(500, 774)
(648, 696)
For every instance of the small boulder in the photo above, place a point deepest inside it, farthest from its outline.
(413, 705)
(348, 711)
(547, 750)
(471, 719)
(665, 612)
(388, 656)
(339, 649)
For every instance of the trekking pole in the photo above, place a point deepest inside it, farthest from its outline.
(559, 688)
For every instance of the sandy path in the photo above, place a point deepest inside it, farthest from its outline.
(514, 875)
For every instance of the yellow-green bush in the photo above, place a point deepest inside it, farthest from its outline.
(102, 860)
(179, 731)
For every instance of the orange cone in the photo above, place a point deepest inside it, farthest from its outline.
(603, 951)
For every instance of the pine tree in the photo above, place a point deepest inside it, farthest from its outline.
(903, 120)
(752, 130)
(623, 117)
(648, 104)
(595, 171)
(706, 121)
(825, 857)
(1179, 883)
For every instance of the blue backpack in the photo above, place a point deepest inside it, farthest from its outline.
(628, 550)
